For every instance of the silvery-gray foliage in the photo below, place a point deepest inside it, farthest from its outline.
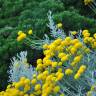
(54, 31)
(19, 67)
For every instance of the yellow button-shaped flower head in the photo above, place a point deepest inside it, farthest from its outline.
(30, 32)
(21, 37)
(68, 71)
(60, 75)
(77, 76)
(85, 31)
(20, 32)
(73, 32)
(59, 25)
(33, 81)
(77, 58)
(56, 89)
(54, 64)
(37, 87)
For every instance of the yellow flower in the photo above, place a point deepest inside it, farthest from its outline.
(86, 34)
(83, 67)
(86, 39)
(34, 75)
(39, 77)
(93, 87)
(46, 72)
(73, 32)
(39, 66)
(85, 31)
(88, 2)
(73, 50)
(59, 75)
(47, 62)
(20, 32)
(39, 61)
(60, 55)
(45, 86)
(59, 25)
(68, 39)
(54, 64)
(52, 47)
(56, 89)
(54, 79)
(89, 93)
(73, 64)
(90, 39)
(64, 58)
(33, 81)
(38, 92)
(77, 58)
(77, 76)
(26, 88)
(68, 71)
(60, 64)
(17, 85)
(8, 86)
(59, 69)
(49, 77)
(16, 65)
(48, 90)
(57, 41)
(27, 81)
(21, 93)
(78, 45)
(87, 50)
(94, 44)
(45, 46)
(30, 32)
(80, 71)
(21, 37)
(44, 94)
(37, 87)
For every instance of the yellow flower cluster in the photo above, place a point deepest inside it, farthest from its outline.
(80, 71)
(51, 70)
(22, 35)
(88, 39)
(42, 84)
(88, 2)
(63, 50)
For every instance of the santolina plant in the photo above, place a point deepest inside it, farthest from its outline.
(63, 71)
(68, 68)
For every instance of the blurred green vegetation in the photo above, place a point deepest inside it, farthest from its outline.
(25, 14)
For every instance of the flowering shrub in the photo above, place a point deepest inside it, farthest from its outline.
(68, 68)
(63, 71)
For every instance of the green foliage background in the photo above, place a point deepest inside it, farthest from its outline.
(25, 14)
